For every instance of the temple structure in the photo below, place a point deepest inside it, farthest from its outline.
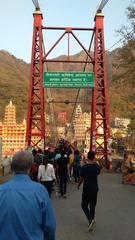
(12, 133)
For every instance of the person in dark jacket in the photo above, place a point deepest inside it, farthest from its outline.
(35, 165)
(88, 177)
(76, 166)
(62, 163)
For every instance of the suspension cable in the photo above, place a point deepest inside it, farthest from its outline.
(71, 119)
(36, 4)
(51, 104)
(102, 5)
(120, 40)
(78, 92)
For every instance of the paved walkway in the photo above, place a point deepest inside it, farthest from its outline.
(115, 213)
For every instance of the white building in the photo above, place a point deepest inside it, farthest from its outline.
(61, 132)
(122, 122)
(81, 123)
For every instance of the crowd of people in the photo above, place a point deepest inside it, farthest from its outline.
(26, 210)
(56, 168)
(67, 164)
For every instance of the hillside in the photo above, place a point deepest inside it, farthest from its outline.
(14, 78)
(14, 75)
(122, 85)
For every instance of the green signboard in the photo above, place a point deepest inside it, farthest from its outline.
(68, 80)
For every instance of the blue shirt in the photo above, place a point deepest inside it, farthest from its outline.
(25, 210)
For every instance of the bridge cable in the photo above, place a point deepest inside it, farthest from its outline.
(51, 104)
(78, 92)
(71, 119)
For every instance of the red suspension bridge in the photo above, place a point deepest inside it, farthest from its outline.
(35, 134)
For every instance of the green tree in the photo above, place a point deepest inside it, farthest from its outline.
(131, 126)
(123, 88)
(126, 54)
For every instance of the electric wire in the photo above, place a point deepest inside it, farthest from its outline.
(51, 104)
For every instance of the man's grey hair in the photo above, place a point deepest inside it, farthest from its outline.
(22, 162)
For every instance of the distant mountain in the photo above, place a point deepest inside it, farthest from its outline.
(14, 79)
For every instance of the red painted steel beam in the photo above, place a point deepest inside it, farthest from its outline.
(85, 50)
(100, 132)
(35, 129)
(66, 61)
(55, 44)
(68, 30)
(64, 28)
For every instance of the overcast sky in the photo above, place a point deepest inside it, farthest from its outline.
(16, 20)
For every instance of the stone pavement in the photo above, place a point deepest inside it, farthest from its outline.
(115, 212)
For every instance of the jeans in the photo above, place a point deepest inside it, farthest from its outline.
(48, 185)
(76, 172)
(63, 183)
(89, 201)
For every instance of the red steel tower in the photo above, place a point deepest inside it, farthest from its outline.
(100, 133)
(35, 133)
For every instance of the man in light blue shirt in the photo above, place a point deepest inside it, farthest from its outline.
(25, 208)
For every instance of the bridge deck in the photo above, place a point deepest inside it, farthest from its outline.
(115, 213)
